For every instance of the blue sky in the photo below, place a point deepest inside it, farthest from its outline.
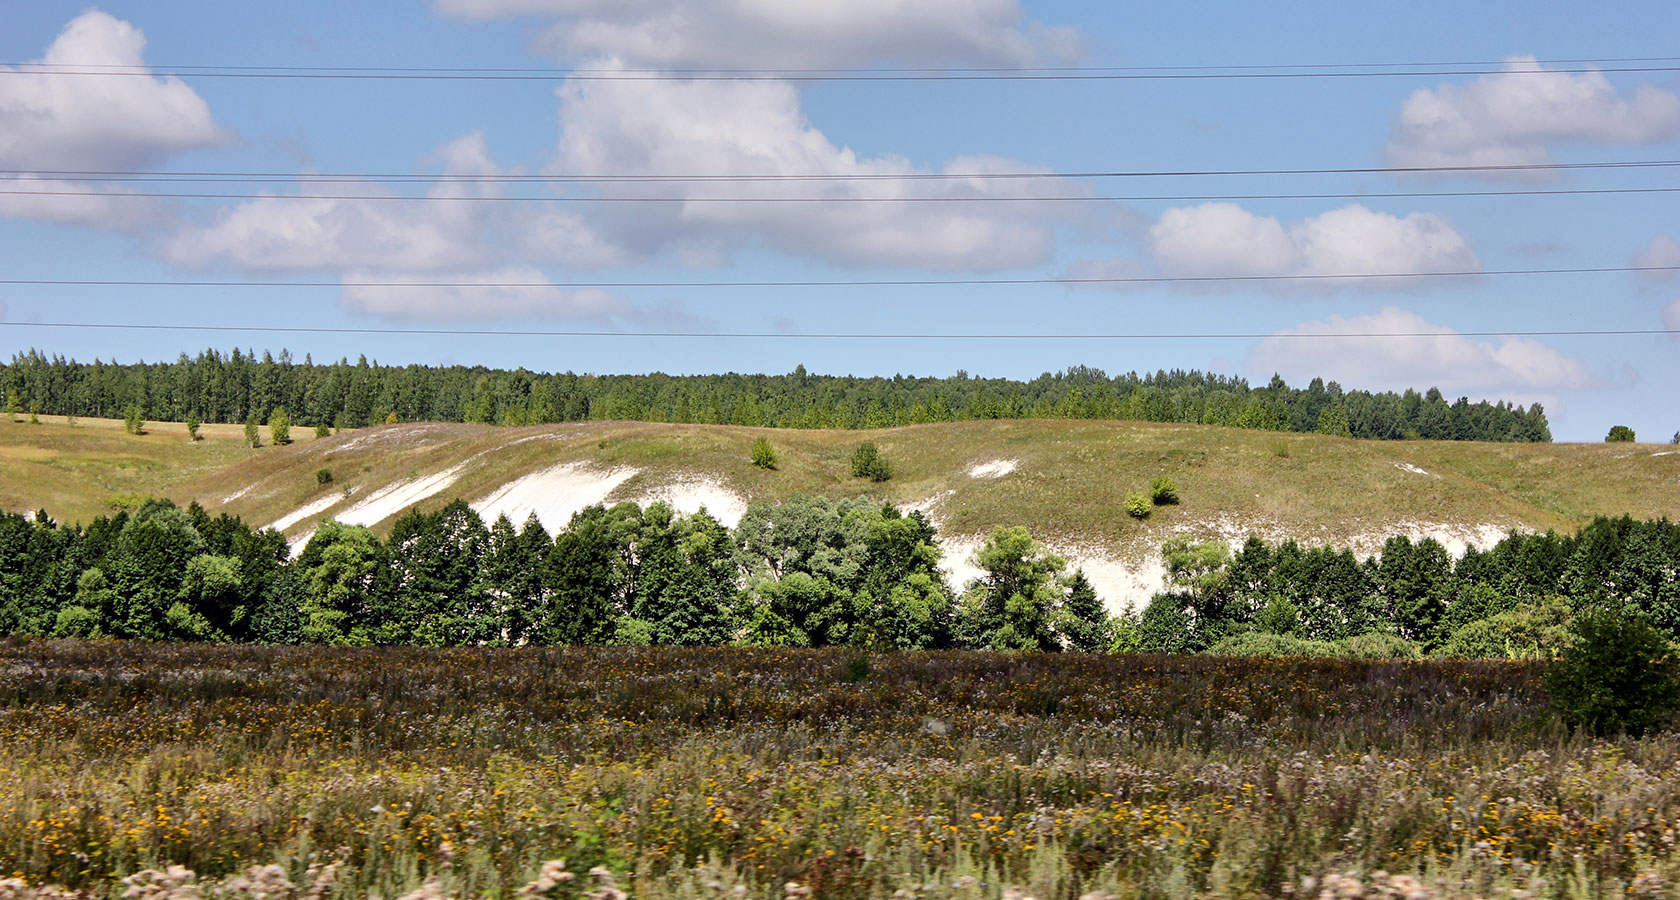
(1514, 107)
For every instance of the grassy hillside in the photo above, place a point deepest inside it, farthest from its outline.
(1069, 481)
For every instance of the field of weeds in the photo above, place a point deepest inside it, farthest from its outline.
(312, 772)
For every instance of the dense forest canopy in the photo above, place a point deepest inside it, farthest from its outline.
(805, 572)
(241, 385)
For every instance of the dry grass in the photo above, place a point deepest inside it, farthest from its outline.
(1070, 484)
(936, 775)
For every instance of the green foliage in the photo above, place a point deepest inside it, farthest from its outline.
(1618, 433)
(1138, 506)
(134, 421)
(323, 477)
(14, 404)
(1381, 645)
(225, 387)
(322, 429)
(35, 412)
(1619, 675)
(1167, 625)
(279, 428)
(1163, 491)
(1527, 632)
(253, 437)
(1014, 604)
(867, 462)
(763, 455)
(193, 424)
(1084, 623)
(1333, 420)
(1259, 643)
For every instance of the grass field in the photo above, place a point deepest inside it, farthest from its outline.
(1070, 481)
(691, 773)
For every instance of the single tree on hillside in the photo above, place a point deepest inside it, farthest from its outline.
(1619, 433)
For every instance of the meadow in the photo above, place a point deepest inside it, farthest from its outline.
(730, 772)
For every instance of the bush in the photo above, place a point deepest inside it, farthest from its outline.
(1138, 506)
(323, 477)
(322, 429)
(868, 463)
(1618, 433)
(1619, 675)
(1260, 643)
(252, 437)
(134, 421)
(763, 455)
(1162, 491)
(1380, 645)
(193, 424)
(279, 428)
(1527, 632)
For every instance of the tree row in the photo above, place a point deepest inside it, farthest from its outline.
(241, 386)
(805, 572)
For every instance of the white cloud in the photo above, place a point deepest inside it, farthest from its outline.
(1214, 239)
(503, 293)
(98, 122)
(1508, 118)
(1671, 316)
(75, 203)
(290, 234)
(1429, 354)
(773, 33)
(723, 129)
(1662, 251)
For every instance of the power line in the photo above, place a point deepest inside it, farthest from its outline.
(488, 332)
(1063, 73)
(884, 282)
(578, 178)
(1354, 195)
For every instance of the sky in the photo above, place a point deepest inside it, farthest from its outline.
(663, 186)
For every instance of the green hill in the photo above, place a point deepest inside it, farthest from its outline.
(1067, 481)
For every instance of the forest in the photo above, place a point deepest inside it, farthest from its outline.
(242, 386)
(804, 572)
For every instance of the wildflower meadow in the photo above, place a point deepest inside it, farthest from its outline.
(180, 771)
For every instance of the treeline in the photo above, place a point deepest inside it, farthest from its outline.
(806, 572)
(241, 386)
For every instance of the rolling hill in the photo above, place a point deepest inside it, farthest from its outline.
(1067, 481)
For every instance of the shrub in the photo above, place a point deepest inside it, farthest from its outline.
(323, 476)
(1527, 632)
(279, 428)
(1380, 645)
(1162, 491)
(134, 421)
(322, 429)
(763, 455)
(1618, 433)
(193, 424)
(252, 437)
(1260, 643)
(1618, 676)
(1138, 506)
(391, 418)
(868, 463)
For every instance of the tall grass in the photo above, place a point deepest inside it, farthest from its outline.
(690, 773)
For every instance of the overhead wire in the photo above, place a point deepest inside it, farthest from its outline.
(920, 336)
(818, 283)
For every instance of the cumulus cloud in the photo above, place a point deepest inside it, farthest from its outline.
(1662, 251)
(76, 203)
(804, 35)
(1508, 118)
(503, 293)
(291, 234)
(1218, 239)
(857, 216)
(1428, 354)
(97, 122)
